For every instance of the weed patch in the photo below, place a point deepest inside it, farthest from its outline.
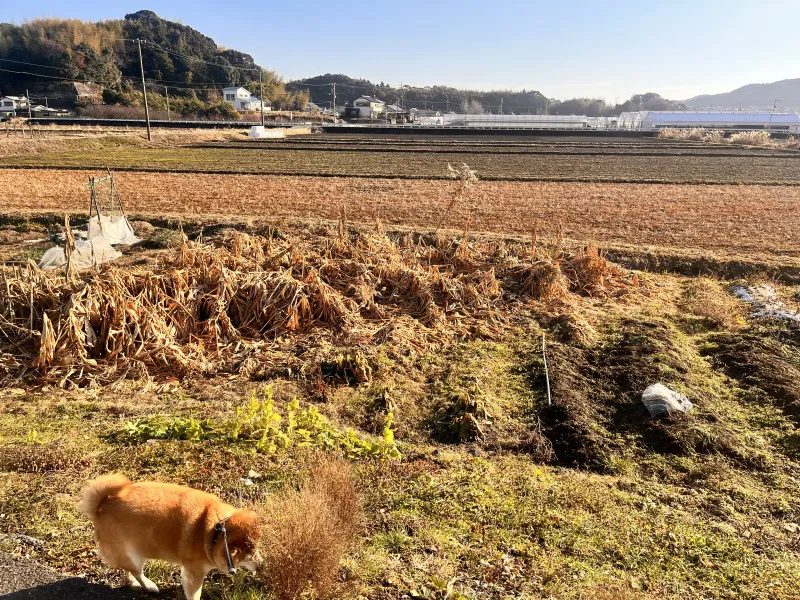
(257, 424)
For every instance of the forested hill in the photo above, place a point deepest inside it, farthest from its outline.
(437, 97)
(175, 55)
(443, 99)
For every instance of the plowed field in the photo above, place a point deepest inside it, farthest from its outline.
(739, 219)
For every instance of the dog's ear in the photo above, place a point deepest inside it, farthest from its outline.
(244, 530)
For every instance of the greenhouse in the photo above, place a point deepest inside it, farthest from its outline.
(654, 120)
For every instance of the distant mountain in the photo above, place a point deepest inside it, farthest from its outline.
(753, 97)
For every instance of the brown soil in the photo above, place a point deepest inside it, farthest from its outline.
(737, 219)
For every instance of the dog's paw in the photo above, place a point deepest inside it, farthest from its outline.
(150, 586)
(145, 584)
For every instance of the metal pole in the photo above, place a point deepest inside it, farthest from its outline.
(333, 105)
(166, 93)
(144, 91)
(28, 96)
(774, 106)
(261, 88)
(546, 373)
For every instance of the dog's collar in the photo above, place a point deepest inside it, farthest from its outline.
(220, 528)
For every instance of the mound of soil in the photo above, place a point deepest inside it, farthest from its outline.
(597, 410)
(761, 363)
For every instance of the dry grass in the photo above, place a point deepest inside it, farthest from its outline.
(755, 138)
(711, 300)
(210, 309)
(697, 134)
(44, 139)
(742, 138)
(41, 458)
(737, 219)
(306, 533)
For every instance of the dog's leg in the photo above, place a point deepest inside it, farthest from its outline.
(135, 570)
(192, 581)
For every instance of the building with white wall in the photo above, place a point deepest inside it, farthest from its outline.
(241, 99)
(653, 120)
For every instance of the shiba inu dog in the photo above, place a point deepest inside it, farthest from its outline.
(134, 522)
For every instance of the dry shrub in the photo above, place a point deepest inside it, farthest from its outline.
(585, 272)
(751, 138)
(41, 458)
(306, 533)
(542, 280)
(709, 299)
(590, 274)
(698, 134)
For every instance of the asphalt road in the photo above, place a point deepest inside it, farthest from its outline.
(24, 579)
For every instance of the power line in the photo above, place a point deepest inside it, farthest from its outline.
(190, 57)
(73, 79)
(209, 87)
(20, 62)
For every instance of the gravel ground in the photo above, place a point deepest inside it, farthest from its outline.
(21, 578)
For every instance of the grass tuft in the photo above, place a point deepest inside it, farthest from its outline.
(306, 533)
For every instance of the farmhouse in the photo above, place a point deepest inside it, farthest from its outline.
(653, 120)
(365, 107)
(38, 110)
(9, 104)
(241, 99)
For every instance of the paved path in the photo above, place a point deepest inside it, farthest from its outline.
(24, 579)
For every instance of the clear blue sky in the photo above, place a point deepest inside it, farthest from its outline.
(563, 49)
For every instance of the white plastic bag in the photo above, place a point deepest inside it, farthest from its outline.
(659, 400)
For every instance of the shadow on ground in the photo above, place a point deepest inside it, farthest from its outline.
(72, 589)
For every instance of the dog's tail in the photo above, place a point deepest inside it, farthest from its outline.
(98, 490)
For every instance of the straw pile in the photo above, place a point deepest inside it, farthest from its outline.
(213, 308)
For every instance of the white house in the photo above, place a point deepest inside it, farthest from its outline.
(365, 107)
(373, 104)
(241, 99)
(9, 104)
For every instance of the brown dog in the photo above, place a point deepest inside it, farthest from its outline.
(196, 530)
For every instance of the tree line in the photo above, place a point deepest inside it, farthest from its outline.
(448, 99)
(190, 64)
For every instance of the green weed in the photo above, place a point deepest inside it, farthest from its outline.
(259, 425)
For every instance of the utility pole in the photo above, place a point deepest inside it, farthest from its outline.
(28, 96)
(45, 102)
(774, 106)
(333, 106)
(501, 106)
(261, 91)
(166, 93)
(144, 91)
